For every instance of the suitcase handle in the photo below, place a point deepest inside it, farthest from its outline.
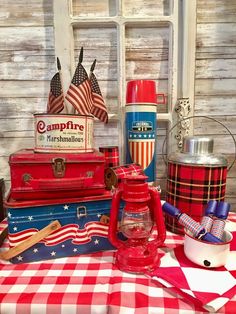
(65, 183)
(35, 238)
(3, 235)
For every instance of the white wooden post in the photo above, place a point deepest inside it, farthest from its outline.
(64, 43)
(187, 49)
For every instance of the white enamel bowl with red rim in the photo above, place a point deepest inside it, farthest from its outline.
(207, 254)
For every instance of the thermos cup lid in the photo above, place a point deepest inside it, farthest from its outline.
(141, 91)
(197, 145)
(198, 150)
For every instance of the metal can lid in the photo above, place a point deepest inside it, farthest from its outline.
(198, 145)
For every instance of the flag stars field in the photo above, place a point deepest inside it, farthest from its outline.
(20, 258)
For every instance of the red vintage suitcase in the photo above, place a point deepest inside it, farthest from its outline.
(50, 175)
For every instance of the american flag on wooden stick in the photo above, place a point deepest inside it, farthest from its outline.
(79, 94)
(99, 109)
(56, 98)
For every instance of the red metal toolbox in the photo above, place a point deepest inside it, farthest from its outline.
(84, 226)
(51, 175)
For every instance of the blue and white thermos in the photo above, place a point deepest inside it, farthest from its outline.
(141, 125)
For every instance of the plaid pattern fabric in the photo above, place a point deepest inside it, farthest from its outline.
(111, 154)
(189, 188)
(124, 170)
(91, 284)
(114, 176)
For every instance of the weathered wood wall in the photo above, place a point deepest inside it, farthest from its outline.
(26, 66)
(27, 63)
(215, 89)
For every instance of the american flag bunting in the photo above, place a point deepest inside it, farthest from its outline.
(56, 98)
(99, 109)
(79, 94)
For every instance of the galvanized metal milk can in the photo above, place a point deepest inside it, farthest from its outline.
(194, 176)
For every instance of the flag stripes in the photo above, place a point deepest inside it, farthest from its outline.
(99, 109)
(67, 232)
(80, 98)
(83, 93)
(56, 98)
(142, 152)
(79, 94)
(56, 105)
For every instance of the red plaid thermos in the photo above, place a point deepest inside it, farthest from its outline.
(111, 154)
(195, 176)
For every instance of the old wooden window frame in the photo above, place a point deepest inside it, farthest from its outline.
(181, 76)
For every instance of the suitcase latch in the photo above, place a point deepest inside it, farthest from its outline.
(81, 211)
(59, 167)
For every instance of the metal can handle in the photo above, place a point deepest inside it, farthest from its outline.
(210, 118)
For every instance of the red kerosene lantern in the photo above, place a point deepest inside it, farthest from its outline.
(141, 212)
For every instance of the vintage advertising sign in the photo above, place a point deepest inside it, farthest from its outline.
(63, 133)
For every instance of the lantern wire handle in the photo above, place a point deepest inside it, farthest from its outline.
(210, 118)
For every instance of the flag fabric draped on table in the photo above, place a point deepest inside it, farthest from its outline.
(56, 98)
(79, 94)
(99, 109)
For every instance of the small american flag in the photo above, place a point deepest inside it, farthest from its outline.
(79, 94)
(99, 109)
(56, 98)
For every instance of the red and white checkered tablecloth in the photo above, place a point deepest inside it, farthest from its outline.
(89, 284)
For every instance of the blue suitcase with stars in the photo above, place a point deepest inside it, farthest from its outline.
(84, 226)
